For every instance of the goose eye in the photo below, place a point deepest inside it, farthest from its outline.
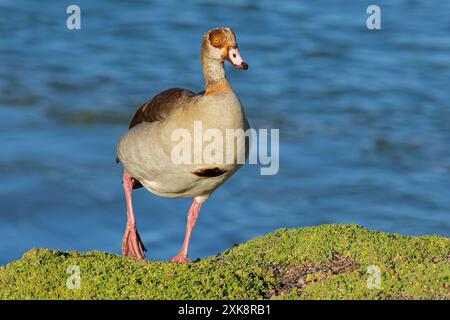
(216, 40)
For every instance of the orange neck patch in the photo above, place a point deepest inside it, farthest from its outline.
(221, 87)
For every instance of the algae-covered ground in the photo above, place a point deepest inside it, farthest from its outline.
(324, 262)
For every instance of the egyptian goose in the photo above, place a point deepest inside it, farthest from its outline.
(145, 150)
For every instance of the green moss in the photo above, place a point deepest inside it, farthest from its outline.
(411, 267)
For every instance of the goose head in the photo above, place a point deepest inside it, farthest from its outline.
(220, 44)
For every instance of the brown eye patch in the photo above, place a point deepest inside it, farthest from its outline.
(216, 38)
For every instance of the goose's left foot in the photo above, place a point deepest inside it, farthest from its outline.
(179, 258)
(182, 256)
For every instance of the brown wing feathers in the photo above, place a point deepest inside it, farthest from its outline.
(160, 106)
(158, 109)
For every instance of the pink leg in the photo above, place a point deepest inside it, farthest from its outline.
(182, 256)
(132, 245)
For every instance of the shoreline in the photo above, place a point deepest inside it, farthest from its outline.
(332, 261)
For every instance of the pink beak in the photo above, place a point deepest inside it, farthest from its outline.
(235, 59)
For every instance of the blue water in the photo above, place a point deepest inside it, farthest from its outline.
(364, 119)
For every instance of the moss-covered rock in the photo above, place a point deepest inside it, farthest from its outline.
(325, 262)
